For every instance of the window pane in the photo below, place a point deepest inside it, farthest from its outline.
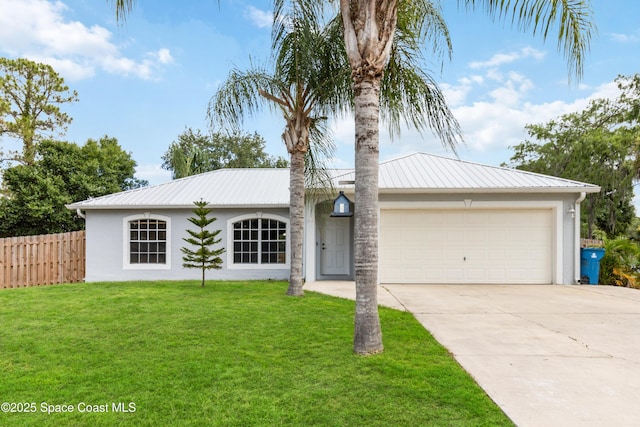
(147, 247)
(259, 241)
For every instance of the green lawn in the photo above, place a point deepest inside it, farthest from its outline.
(229, 354)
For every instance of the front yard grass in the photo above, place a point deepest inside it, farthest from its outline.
(228, 354)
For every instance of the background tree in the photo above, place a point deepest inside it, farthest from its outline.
(203, 257)
(599, 145)
(30, 98)
(195, 153)
(369, 30)
(36, 194)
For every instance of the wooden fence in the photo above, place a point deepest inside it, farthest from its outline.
(42, 260)
(591, 243)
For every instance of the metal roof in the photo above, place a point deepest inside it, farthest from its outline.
(419, 172)
(222, 187)
(428, 173)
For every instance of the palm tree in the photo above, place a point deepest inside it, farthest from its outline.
(369, 30)
(308, 83)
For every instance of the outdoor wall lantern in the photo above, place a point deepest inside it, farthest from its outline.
(341, 206)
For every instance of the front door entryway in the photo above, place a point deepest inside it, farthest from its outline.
(335, 247)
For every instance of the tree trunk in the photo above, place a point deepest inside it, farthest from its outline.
(296, 221)
(368, 334)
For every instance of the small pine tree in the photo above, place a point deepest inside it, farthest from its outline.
(204, 257)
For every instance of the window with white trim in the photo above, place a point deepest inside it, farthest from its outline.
(259, 241)
(146, 243)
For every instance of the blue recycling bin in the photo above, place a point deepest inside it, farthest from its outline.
(590, 265)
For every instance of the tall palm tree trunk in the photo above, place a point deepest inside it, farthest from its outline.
(296, 221)
(368, 334)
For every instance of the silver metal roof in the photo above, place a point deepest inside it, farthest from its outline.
(222, 187)
(428, 173)
(419, 172)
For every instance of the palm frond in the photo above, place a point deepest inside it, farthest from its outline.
(239, 97)
(408, 94)
(122, 8)
(571, 18)
(321, 150)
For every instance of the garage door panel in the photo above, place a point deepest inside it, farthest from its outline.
(466, 246)
(455, 235)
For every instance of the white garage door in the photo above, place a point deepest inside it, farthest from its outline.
(466, 246)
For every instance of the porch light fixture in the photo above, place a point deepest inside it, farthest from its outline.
(341, 206)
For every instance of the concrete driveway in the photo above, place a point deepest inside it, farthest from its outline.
(547, 355)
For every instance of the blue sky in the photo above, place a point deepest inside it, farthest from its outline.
(145, 82)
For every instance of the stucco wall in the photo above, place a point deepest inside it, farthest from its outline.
(564, 229)
(106, 246)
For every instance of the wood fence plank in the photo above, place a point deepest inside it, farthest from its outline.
(42, 260)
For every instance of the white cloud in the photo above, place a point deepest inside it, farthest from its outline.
(505, 58)
(624, 38)
(163, 56)
(259, 18)
(38, 30)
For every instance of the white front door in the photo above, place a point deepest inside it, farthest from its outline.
(335, 244)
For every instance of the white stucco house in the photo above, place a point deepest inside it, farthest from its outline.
(441, 221)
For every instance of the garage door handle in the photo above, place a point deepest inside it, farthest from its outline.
(464, 259)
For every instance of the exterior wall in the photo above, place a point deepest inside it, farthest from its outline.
(106, 240)
(566, 246)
